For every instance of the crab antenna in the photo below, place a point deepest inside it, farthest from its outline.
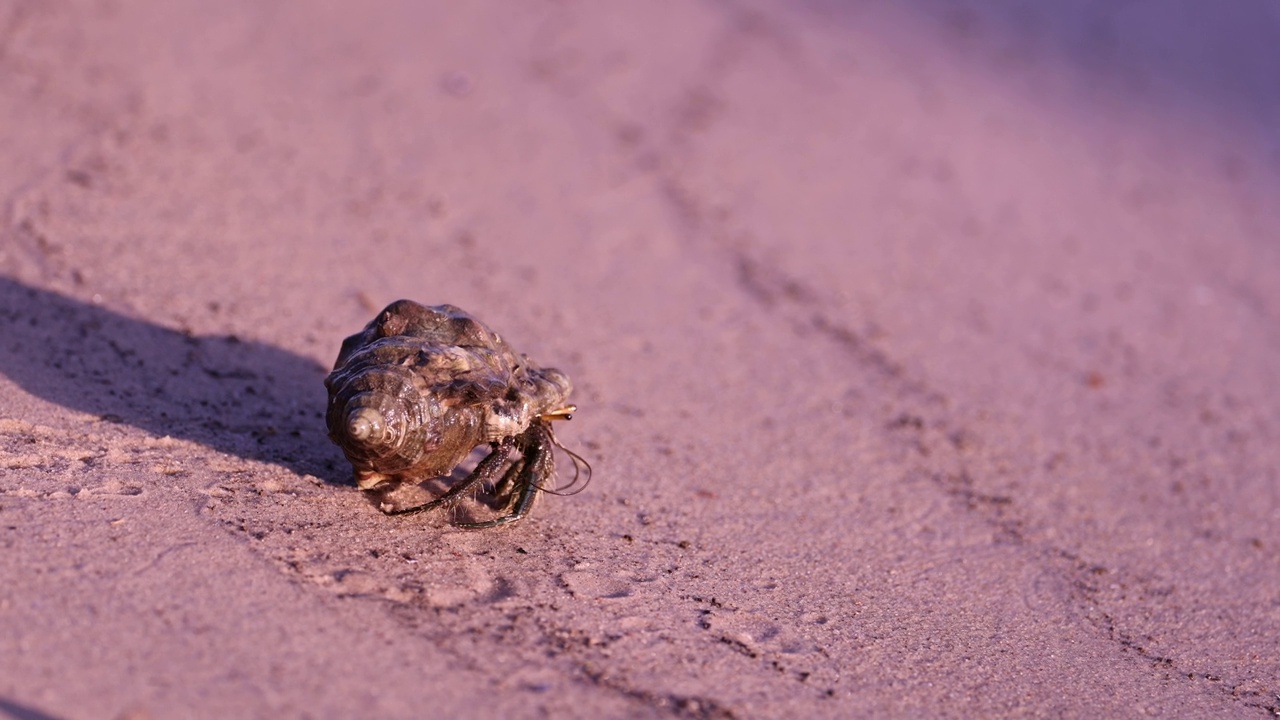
(579, 463)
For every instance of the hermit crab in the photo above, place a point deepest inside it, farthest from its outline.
(420, 387)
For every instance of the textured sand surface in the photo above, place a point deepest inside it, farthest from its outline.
(927, 353)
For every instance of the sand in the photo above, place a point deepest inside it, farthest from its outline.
(927, 355)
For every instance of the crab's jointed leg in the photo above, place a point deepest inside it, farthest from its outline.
(537, 466)
(485, 472)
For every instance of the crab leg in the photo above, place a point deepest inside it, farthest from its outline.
(485, 471)
(538, 467)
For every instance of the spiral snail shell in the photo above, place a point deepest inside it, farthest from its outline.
(420, 387)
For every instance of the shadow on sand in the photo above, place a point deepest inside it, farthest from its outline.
(239, 397)
(18, 711)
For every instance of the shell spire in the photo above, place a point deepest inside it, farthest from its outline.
(365, 426)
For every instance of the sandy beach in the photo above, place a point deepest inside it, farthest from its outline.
(927, 356)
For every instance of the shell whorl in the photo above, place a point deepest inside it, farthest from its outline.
(365, 426)
(379, 415)
(374, 423)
